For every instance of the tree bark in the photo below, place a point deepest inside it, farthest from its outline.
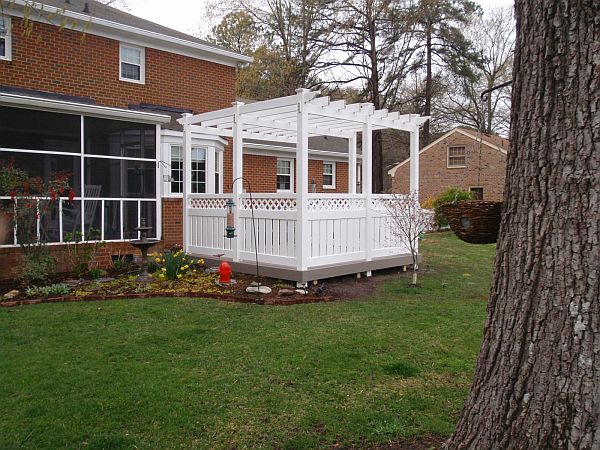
(537, 381)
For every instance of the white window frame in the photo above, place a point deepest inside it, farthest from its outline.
(291, 174)
(205, 182)
(455, 166)
(142, 51)
(170, 169)
(333, 171)
(7, 39)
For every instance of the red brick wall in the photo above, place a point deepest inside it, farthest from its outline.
(68, 62)
(436, 177)
(172, 222)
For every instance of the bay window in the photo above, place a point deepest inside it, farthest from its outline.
(198, 166)
(111, 165)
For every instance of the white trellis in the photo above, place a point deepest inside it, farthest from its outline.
(299, 231)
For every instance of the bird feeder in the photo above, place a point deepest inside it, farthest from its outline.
(230, 228)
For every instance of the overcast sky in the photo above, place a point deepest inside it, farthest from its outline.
(186, 15)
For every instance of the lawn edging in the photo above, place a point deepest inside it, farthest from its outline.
(223, 297)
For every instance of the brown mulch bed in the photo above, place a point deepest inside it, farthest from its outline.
(339, 288)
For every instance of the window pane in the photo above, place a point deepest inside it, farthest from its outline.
(327, 180)
(119, 138)
(148, 212)
(112, 220)
(328, 168)
(130, 71)
(92, 217)
(115, 178)
(7, 231)
(198, 154)
(49, 221)
(46, 166)
(176, 170)
(130, 217)
(39, 130)
(284, 182)
(2, 47)
(284, 167)
(71, 218)
(131, 55)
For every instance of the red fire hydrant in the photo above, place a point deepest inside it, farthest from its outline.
(224, 273)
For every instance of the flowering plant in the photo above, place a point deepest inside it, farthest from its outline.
(173, 265)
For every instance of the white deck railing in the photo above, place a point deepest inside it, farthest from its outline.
(341, 228)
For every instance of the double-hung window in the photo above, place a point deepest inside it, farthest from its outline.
(176, 169)
(132, 64)
(285, 179)
(328, 175)
(198, 170)
(457, 157)
(5, 38)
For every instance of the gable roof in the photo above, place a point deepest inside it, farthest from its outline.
(495, 142)
(108, 17)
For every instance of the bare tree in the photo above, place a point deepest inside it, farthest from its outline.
(371, 44)
(493, 37)
(408, 222)
(537, 381)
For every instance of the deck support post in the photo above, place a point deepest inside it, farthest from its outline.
(414, 160)
(238, 186)
(302, 234)
(352, 165)
(187, 179)
(367, 151)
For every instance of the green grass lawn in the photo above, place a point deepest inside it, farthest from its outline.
(181, 373)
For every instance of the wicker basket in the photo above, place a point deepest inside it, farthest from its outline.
(474, 221)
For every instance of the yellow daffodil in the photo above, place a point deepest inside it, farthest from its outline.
(164, 269)
(179, 275)
(157, 260)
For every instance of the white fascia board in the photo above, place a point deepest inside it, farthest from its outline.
(138, 36)
(61, 106)
(174, 137)
(483, 141)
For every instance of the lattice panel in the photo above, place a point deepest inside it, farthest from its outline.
(336, 204)
(207, 203)
(270, 204)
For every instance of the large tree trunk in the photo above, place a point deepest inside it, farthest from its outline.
(537, 381)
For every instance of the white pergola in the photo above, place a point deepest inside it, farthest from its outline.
(294, 119)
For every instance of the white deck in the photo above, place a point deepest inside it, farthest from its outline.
(300, 232)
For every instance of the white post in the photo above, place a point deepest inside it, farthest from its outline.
(159, 185)
(187, 179)
(238, 171)
(367, 169)
(302, 236)
(352, 164)
(414, 160)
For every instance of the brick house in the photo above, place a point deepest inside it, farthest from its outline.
(99, 98)
(458, 159)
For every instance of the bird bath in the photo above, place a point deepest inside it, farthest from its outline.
(143, 244)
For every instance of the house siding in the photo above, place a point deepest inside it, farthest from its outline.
(435, 177)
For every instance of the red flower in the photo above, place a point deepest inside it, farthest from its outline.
(53, 195)
(13, 194)
(62, 190)
(71, 195)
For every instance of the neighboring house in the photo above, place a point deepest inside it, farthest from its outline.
(99, 98)
(461, 158)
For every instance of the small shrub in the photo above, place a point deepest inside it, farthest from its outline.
(96, 273)
(173, 265)
(450, 196)
(81, 253)
(37, 264)
(121, 262)
(58, 289)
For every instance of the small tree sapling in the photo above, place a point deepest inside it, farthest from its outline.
(409, 221)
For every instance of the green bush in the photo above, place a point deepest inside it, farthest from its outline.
(450, 196)
(80, 253)
(37, 264)
(48, 291)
